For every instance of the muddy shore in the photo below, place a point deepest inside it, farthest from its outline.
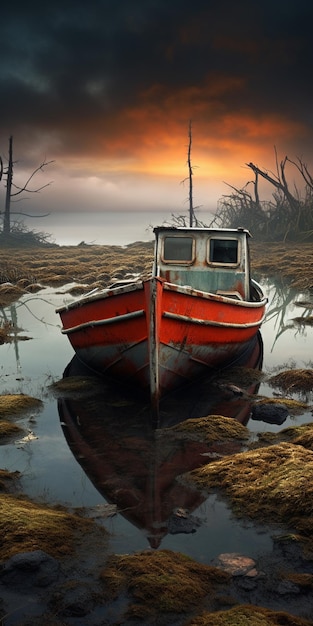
(84, 588)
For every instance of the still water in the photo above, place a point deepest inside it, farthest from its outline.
(113, 458)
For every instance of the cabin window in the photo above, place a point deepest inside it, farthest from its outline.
(224, 251)
(179, 249)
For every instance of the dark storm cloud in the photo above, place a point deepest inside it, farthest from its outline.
(69, 69)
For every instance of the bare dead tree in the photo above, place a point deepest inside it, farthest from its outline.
(193, 221)
(190, 170)
(288, 215)
(279, 181)
(10, 186)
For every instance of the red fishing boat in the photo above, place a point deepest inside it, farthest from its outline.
(197, 312)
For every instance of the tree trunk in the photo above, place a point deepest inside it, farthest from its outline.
(6, 220)
(191, 211)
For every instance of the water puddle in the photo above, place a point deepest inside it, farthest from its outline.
(98, 450)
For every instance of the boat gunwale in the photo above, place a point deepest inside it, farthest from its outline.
(107, 292)
(183, 289)
(208, 295)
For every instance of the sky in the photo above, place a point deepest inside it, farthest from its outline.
(106, 90)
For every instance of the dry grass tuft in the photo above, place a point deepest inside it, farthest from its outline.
(8, 429)
(295, 407)
(208, 429)
(61, 265)
(160, 582)
(247, 615)
(17, 404)
(274, 484)
(27, 526)
(293, 380)
(299, 435)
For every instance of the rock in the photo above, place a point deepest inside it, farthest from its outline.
(270, 413)
(28, 569)
(181, 521)
(236, 564)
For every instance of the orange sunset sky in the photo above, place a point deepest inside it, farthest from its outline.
(106, 90)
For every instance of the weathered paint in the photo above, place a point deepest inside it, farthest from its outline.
(158, 333)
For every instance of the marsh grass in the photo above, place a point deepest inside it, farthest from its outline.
(293, 380)
(29, 526)
(8, 429)
(295, 407)
(61, 265)
(299, 435)
(273, 484)
(17, 404)
(247, 615)
(160, 582)
(209, 429)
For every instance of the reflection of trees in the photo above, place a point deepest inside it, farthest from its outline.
(280, 301)
(9, 318)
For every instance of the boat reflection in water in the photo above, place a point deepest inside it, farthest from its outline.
(134, 465)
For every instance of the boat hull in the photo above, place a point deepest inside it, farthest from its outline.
(158, 335)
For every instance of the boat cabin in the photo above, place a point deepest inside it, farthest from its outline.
(206, 259)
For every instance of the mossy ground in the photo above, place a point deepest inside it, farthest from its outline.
(294, 380)
(161, 582)
(247, 615)
(209, 429)
(273, 484)
(28, 526)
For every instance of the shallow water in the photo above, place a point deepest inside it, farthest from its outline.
(55, 473)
